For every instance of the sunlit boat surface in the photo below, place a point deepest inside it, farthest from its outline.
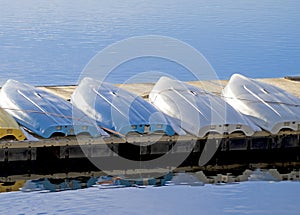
(270, 107)
(197, 111)
(120, 110)
(9, 126)
(44, 113)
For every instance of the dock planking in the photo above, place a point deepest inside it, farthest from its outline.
(215, 86)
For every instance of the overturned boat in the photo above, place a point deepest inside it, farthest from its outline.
(198, 111)
(44, 113)
(9, 126)
(119, 110)
(270, 107)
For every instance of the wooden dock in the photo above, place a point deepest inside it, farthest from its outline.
(63, 157)
(215, 86)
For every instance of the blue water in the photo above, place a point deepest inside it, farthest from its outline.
(257, 198)
(50, 42)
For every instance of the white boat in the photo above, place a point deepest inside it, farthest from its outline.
(198, 111)
(119, 110)
(44, 113)
(270, 107)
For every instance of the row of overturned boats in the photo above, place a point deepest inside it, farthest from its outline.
(173, 108)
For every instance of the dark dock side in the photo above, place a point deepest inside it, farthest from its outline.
(65, 156)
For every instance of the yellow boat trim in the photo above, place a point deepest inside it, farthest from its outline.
(9, 126)
(17, 133)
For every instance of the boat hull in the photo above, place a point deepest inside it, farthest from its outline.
(9, 127)
(270, 107)
(44, 113)
(118, 109)
(197, 111)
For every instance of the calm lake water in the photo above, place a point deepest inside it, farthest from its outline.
(259, 198)
(50, 42)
